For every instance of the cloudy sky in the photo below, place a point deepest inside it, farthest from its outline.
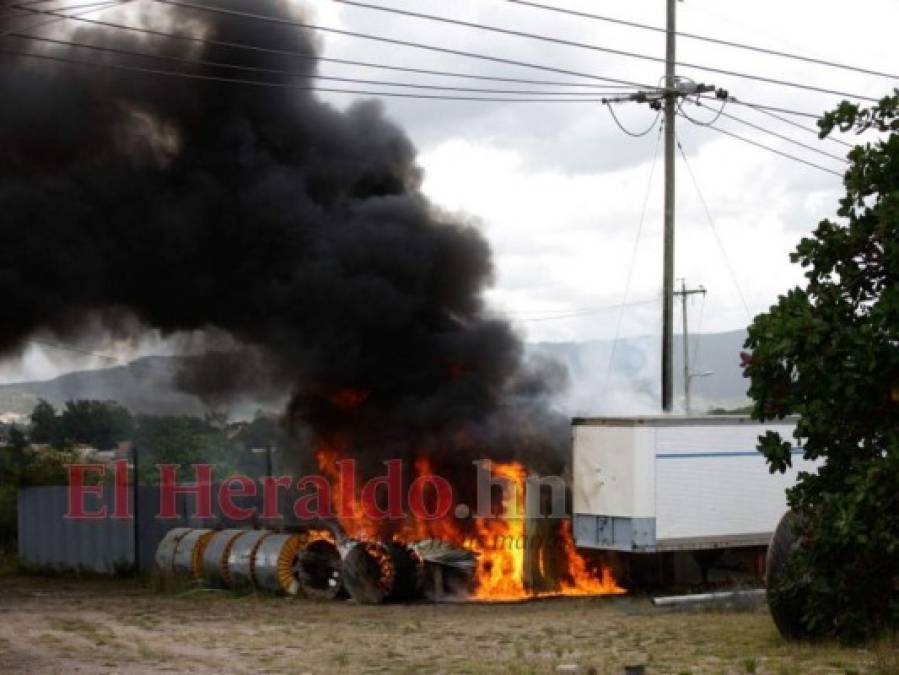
(558, 189)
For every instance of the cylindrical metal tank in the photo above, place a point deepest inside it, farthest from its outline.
(215, 558)
(242, 558)
(188, 558)
(275, 567)
(165, 552)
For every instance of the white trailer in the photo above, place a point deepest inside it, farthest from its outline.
(669, 483)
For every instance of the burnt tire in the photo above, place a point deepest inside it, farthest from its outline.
(786, 609)
(318, 570)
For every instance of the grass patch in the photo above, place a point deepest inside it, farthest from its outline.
(886, 656)
(221, 632)
(83, 629)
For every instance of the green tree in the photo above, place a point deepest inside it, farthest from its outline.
(262, 432)
(18, 445)
(21, 467)
(182, 440)
(829, 353)
(45, 425)
(100, 424)
(49, 467)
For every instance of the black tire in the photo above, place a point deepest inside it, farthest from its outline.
(785, 610)
(318, 570)
(363, 573)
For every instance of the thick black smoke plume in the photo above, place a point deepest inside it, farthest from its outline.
(294, 228)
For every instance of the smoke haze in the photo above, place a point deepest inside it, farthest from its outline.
(292, 234)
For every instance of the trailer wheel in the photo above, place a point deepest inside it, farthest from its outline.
(786, 612)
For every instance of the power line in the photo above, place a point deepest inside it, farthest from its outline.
(315, 57)
(632, 265)
(714, 228)
(627, 131)
(774, 150)
(710, 123)
(706, 38)
(276, 71)
(597, 310)
(17, 13)
(770, 108)
(528, 314)
(287, 85)
(24, 6)
(397, 42)
(567, 43)
(88, 9)
(767, 131)
(786, 120)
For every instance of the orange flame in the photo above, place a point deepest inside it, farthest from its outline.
(499, 542)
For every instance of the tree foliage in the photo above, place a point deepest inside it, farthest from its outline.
(99, 424)
(829, 353)
(22, 467)
(44, 424)
(186, 440)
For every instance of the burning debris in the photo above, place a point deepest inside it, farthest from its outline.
(318, 571)
(351, 557)
(297, 236)
(376, 572)
(448, 570)
(371, 572)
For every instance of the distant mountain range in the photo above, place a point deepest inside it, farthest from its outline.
(146, 385)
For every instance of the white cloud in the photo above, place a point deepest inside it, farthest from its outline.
(558, 188)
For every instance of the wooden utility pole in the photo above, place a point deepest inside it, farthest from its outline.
(670, 110)
(683, 293)
(666, 100)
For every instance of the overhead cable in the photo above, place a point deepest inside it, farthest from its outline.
(288, 85)
(766, 130)
(567, 43)
(714, 228)
(774, 150)
(289, 73)
(398, 42)
(628, 131)
(707, 38)
(633, 262)
(315, 57)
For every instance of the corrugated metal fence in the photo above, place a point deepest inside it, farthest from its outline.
(47, 539)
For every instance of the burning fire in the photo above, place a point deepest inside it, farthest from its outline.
(499, 542)
(500, 574)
